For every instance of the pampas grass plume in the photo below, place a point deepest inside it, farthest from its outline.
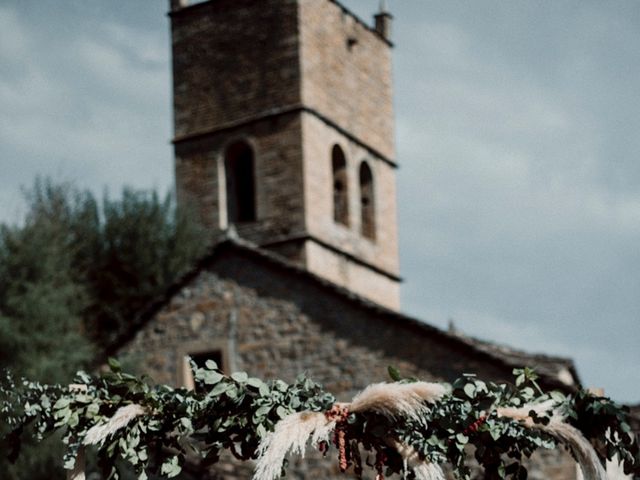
(428, 471)
(423, 469)
(565, 433)
(397, 399)
(582, 449)
(120, 419)
(290, 435)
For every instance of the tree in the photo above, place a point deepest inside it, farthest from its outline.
(75, 275)
(41, 306)
(41, 301)
(121, 253)
(143, 245)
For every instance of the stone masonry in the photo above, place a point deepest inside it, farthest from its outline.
(275, 320)
(290, 78)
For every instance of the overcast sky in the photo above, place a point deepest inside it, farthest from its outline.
(518, 133)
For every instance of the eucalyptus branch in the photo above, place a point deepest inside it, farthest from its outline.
(405, 426)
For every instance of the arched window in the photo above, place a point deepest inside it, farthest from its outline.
(340, 192)
(240, 178)
(367, 203)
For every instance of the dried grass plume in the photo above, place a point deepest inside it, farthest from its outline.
(423, 469)
(120, 419)
(565, 433)
(397, 399)
(290, 434)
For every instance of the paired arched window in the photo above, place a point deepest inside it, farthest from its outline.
(340, 191)
(341, 194)
(367, 204)
(240, 182)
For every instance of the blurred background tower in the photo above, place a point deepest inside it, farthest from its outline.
(284, 129)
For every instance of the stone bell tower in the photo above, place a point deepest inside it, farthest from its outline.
(284, 128)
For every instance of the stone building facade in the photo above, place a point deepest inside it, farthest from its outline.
(252, 310)
(284, 147)
(304, 88)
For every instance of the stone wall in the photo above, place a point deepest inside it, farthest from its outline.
(274, 323)
(232, 60)
(240, 68)
(237, 59)
(346, 72)
(319, 138)
(357, 278)
(284, 325)
(277, 148)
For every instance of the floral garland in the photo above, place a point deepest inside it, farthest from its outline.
(405, 426)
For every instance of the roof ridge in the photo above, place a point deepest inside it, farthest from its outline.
(231, 239)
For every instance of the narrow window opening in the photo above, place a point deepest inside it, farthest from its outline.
(240, 179)
(340, 190)
(200, 359)
(367, 203)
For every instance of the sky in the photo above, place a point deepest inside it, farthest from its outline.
(518, 136)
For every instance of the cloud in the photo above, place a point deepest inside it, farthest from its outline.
(507, 221)
(88, 110)
(142, 46)
(13, 41)
(535, 337)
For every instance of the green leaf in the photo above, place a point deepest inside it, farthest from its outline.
(114, 365)
(263, 410)
(470, 390)
(211, 377)
(62, 413)
(92, 410)
(45, 402)
(83, 398)
(171, 467)
(69, 463)
(394, 373)
(231, 392)
(558, 396)
(495, 431)
(31, 410)
(528, 392)
(211, 365)
(186, 424)
(62, 403)
(239, 377)
(255, 383)
(83, 377)
(220, 388)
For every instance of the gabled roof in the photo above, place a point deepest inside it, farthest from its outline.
(556, 372)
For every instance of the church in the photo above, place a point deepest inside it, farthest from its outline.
(284, 148)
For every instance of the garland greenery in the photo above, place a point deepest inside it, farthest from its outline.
(154, 429)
